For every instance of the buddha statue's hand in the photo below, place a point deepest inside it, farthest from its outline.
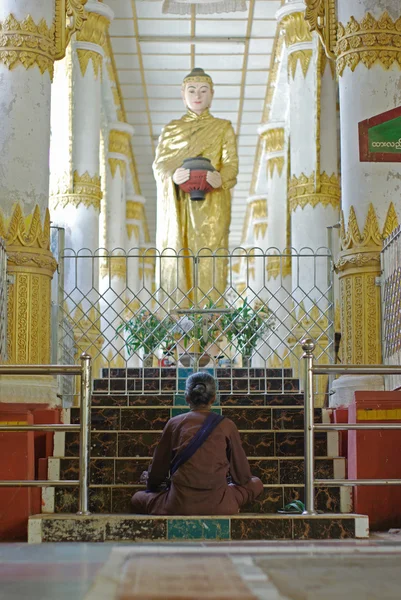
(214, 179)
(181, 175)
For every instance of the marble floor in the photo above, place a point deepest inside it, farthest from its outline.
(358, 569)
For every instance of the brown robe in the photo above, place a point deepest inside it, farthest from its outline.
(199, 487)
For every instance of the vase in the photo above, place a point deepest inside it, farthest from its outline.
(147, 361)
(197, 186)
(246, 361)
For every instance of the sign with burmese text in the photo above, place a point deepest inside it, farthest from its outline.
(380, 137)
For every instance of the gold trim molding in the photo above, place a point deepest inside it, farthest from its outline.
(84, 56)
(85, 190)
(371, 235)
(275, 163)
(358, 267)
(274, 139)
(135, 210)
(70, 17)
(32, 265)
(277, 265)
(94, 31)
(321, 16)
(26, 231)
(259, 208)
(119, 142)
(296, 29)
(133, 229)
(28, 44)
(303, 57)
(371, 41)
(117, 163)
(303, 190)
(114, 266)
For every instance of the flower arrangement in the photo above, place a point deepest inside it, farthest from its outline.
(245, 325)
(146, 331)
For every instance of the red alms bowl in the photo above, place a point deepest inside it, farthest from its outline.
(197, 186)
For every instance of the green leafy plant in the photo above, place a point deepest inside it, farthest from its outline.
(245, 325)
(146, 331)
(199, 331)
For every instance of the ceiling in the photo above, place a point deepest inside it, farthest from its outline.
(154, 51)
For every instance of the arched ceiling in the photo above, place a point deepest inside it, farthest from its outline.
(154, 51)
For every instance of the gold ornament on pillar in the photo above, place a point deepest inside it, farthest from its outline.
(31, 266)
(29, 44)
(303, 190)
(372, 41)
(321, 16)
(274, 142)
(358, 268)
(297, 31)
(119, 143)
(135, 212)
(94, 30)
(70, 17)
(85, 189)
(259, 216)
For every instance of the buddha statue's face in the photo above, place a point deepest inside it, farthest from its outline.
(197, 96)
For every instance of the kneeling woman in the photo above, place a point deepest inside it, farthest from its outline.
(199, 450)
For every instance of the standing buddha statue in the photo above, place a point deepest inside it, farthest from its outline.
(187, 226)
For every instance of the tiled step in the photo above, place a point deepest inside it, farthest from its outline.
(141, 443)
(135, 418)
(170, 385)
(133, 528)
(182, 373)
(117, 499)
(170, 399)
(127, 471)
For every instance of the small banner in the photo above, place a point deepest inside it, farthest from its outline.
(380, 137)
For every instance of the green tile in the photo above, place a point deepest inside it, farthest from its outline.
(179, 400)
(198, 529)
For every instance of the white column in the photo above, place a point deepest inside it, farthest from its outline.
(113, 272)
(368, 68)
(75, 169)
(314, 192)
(27, 53)
(277, 268)
(75, 172)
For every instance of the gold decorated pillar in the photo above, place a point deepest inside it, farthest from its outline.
(369, 73)
(75, 173)
(313, 182)
(32, 36)
(313, 185)
(278, 266)
(113, 237)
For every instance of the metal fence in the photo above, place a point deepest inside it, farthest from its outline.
(3, 301)
(221, 311)
(391, 305)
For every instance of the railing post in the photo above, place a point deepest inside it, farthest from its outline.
(308, 347)
(85, 419)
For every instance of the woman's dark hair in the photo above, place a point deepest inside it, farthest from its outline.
(200, 388)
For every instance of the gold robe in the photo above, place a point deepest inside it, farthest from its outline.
(194, 225)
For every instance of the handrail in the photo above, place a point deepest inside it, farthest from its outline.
(85, 372)
(310, 426)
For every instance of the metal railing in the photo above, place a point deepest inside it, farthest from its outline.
(85, 372)
(245, 308)
(310, 370)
